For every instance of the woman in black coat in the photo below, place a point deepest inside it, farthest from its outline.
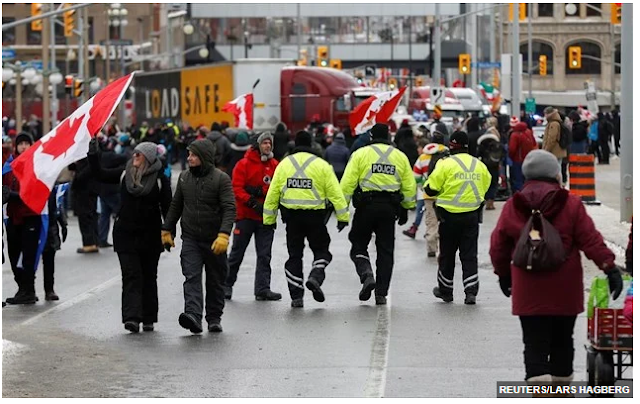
(145, 194)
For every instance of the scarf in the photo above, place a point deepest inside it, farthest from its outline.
(140, 180)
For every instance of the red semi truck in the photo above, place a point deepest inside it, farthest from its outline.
(285, 93)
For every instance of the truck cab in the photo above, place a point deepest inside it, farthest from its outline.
(420, 100)
(329, 93)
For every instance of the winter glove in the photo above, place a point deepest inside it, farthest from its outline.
(63, 230)
(342, 225)
(403, 217)
(220, 244)
(256, 191)
(255, 205)
(167, 240)
(270, 226)
(93, 146)
(505, 285)
(615, 282)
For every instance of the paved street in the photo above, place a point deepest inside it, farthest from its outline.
(414, 347)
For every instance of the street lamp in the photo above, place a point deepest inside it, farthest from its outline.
(118, 19)
(203, 52)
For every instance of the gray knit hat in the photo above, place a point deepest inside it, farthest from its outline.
(265, 136)
(149, 150)
(540, 164)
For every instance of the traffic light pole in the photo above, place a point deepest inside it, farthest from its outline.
(54, 87)
(530, 55)
(626, 114)
(438, 55)
(46, 99)
(515, 65)
(43, 16)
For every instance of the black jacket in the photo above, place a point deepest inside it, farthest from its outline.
(57, 220)
(110, 160)
(579, 131)
(406, 144)
(222, 150)
(204, 201)
(280, 141)
(139, 221)
(83, 180)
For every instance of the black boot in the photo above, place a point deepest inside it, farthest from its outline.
(367, 287)
(314, 287)
(228, 291)
(437, 293)
(268, 295)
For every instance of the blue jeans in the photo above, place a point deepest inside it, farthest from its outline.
(419, 212)
(517, 178)
(109, 204)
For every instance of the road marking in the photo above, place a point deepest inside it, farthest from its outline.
(69, 303)
(377, 379)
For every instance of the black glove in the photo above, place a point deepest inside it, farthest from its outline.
(64, 231)
(94, 148)
(505, 285)
(256, 191)
(342, 225)
(403, 217)
(255, 205)
(270, 226)
(615, 282)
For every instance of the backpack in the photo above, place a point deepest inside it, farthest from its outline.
(565, 135)
(539, 248)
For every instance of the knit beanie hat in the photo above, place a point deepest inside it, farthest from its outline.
(149, 150)
(540, 164)
(380, 131)
(459, 140)
(514, 121)
(303, 138)
(265, 136)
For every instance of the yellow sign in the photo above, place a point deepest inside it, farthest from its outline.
(204, 93)
(259, 105)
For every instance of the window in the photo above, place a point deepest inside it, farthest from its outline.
(545, 9)
(8, 36)
(538, 48)
(33, 37)
(91, 34)
(592, 12)
(59, 34)
(589, 66)
(618, 58)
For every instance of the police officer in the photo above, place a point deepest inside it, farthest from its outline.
(379, 180)
(460, 182)
(301, 184)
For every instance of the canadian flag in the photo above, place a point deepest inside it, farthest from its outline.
(376, 109)
(38, 168)
(242, 110)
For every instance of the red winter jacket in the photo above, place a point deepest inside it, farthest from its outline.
(521, 142)
(559, 292)
(17, 210)
(251, 172)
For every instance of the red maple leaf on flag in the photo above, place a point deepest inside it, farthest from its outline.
(64, 138)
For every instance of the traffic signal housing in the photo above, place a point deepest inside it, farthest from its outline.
(303, 58)
(36, 10)
(336, 63)
(464, 63)
(68, 84)
(419, 82)
(77, 88)
(522, 11)
(575, 57)
(393, 84)
(616, 13)
(69, 22)
(323, 56)
(542, 65)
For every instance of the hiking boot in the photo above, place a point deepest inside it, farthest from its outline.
(88, 249)
(297, 303)
(189, 322)
(440, 295)
(367, 287)
(381, 300)
(411, 233)
(51, 295)
(132, 326)
(215, 327)
(314, 287)
(431, 254)
(23, 298)
(104, 244)
(147, 327)
(268, 295)
(228, 291)
(470, 299)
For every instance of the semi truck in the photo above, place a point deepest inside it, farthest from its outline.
(294, 95)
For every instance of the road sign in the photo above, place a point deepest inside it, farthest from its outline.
(36, 64)
(486, 65)
(530, 105)
(8, 54)
(118, 42)
(370, 70)
(437, 95)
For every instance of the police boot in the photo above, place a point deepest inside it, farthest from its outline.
(368, 286)
(446, 298)
(411, 233)
(228, 291)
(313, 285)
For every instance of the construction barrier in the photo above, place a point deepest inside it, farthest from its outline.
(582, 177)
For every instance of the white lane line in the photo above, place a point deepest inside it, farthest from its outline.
(69, 303)
(377, 379)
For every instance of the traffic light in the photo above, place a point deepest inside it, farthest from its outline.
(77, 88)
(303, 58)
(464, 63)
(542, 65)
(323, 56)
(69, 22)
(336, 63)
(36, 9)
(419, 82)
(575, 57)
(616, 13)
(68, 84)
(393, 84)
(522, 11)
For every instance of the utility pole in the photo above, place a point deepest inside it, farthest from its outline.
(18, 108)
(438, 55)
(46, 96)
(530, 55)
(492, 36)
(80, 54)
(410, 59)
(108, 45)
(54, 87)
(626, 114)
(474, 45)
(299, 30)
(85, 53)
(613, 67)
(515, 65)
